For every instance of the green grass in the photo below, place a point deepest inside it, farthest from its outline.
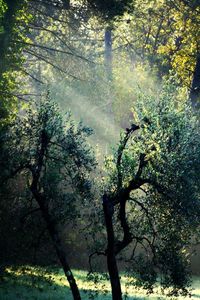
(36, 283)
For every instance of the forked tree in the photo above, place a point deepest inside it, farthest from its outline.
(151, 202)
(52, 155)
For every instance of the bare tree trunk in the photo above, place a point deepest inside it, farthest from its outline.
(62, 256)
(51, 226)
(109, 77)
(111, 259)
(195, 88)
(108, 52)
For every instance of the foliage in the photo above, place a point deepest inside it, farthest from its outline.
(109, 9)
(162, 211)
(156, 36)
(67, 162)
(14, 18)
(156, 171)
(166, 33)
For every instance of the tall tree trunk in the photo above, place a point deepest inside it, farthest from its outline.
(111, 259)
(54, 234)
(195, 88)
(109, 77)
(62, 256)
(108, 52)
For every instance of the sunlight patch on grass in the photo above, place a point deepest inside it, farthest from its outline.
(38, 283)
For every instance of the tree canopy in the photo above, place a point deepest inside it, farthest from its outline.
(129, 70)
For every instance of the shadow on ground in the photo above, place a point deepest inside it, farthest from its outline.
(36, 283)
(28, 285)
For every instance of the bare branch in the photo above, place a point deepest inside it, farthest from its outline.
(98, 253)
(54, 50)
(145, 209)
(43, 58)
(32, 76)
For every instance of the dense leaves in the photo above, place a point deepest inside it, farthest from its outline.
(67, 159)
(154, 187)
(109, 9)
(151, 194)
(13, 18)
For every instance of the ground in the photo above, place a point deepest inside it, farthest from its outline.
(37, 283)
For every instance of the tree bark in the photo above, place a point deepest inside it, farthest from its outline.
(54, 234)
(62, 257)
(195, 88)
(108, 52)
(110, 252)
(109, 78)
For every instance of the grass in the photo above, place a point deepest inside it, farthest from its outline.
(37, 283)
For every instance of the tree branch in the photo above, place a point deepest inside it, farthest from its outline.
(121, 148)
(43, 58)
(146, 212)
(98, 253)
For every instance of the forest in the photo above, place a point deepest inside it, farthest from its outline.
(99, 149)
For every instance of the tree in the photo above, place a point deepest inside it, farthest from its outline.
(195, 87)
(12, 17)
(152, 196)
(41, 156)
(166, 34)
(21, 23)
(109, 9)
(54, 158)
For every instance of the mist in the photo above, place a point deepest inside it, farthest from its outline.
(102, 104)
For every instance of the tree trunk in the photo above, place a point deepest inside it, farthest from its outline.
(108, 52)
(62, 257)
(111, 259)
(109, 78)
(195, 88)
(51, 226)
